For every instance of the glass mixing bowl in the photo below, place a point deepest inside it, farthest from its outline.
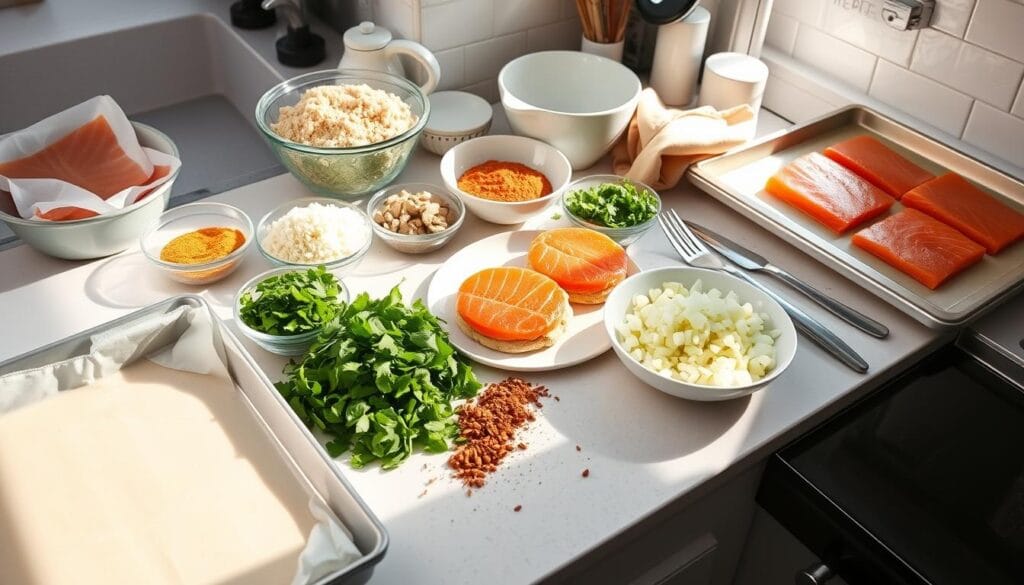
(351, 172)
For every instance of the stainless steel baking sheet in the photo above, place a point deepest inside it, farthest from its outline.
(293, 441)
(737, 179)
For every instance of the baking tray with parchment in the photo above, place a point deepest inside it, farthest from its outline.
(737, 178)
(289, 438)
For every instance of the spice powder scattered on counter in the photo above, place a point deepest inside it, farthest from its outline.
(202, 245)
(504, 181)
(488, 427)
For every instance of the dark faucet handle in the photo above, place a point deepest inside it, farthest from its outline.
(250, 14)
(301, 47)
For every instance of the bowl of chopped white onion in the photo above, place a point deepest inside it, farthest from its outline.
(698, 334)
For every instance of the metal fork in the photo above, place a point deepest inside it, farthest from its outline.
(696, 254)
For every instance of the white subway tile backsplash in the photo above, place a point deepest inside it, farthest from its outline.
(792, 102)
(964, 75)
(834, 57)
(806, 11)
(398, 16)
(487, 89)
(564, 35)
(474, 39)
(930, 101)
(453, 67)
(517, 15)
(781, 32)
(968, 68)
(860, 23)
(1018, 104)
(486, 58)
(456, 23)
(952, 16)
(998, 25)
(997, 132)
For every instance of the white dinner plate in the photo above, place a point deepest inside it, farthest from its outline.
(584, 339)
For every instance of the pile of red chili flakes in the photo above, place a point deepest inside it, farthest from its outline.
(488, 427)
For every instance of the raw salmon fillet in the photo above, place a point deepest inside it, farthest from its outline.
(828, 192)
(511, 303)
(88, 157)
(882, 166)
(73, 213)
(923, 247)
(580, 260)
(953, 200)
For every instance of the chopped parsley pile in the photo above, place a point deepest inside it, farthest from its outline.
(614, 205)
(380, 380)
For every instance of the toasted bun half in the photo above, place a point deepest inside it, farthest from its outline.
(595, 298)
(505, 346)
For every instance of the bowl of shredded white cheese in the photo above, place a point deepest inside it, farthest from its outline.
(314, 231)
(698, 334)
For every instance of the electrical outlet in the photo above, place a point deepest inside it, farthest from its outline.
(907, 14)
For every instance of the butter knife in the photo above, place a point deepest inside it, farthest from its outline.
(750, 260)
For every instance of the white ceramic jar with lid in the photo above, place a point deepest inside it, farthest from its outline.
(731, 79)
(455, 116)
(372, 47)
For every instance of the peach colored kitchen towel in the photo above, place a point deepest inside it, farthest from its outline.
(660, 142)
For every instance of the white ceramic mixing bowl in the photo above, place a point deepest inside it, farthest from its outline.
(576, 102)
(622, 296)
(102, 235)
(532, 153)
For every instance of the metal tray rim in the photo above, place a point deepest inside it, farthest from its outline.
(369, 559)
(929, 315)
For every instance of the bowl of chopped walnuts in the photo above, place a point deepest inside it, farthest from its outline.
(415, 218)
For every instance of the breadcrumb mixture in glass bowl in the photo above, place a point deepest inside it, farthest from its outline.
(343, 133)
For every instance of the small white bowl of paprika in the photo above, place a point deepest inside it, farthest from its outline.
(505, 179)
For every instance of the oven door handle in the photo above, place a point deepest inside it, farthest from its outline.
(816, 574)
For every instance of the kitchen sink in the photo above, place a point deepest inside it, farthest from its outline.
(193, 78)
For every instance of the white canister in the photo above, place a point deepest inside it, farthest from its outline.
(731, 79)
(612, 51)
(677, 54)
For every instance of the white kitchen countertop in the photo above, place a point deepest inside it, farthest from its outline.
(644, 449)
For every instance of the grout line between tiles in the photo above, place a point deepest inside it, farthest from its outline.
(970, 114)
(417, 20)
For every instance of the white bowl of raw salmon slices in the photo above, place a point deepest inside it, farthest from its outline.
(101, 235)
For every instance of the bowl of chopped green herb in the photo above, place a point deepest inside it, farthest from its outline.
(284, 309)
(619, 208)
(380, 381)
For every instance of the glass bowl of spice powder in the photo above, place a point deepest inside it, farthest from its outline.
(505, 179)
(198, 243)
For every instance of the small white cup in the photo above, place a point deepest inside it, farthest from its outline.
(731, 79)
(612, 51)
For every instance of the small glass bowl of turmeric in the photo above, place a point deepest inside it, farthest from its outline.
(198, 243)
